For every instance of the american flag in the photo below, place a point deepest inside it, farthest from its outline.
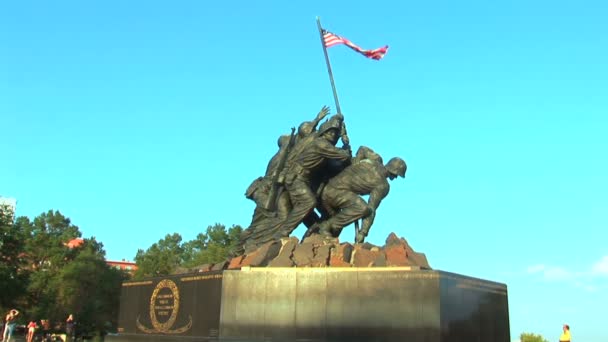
(330, 39)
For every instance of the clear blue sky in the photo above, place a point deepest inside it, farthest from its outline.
(142, 118)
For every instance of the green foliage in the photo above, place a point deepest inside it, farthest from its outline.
(169, 253)
(11, 247)
(211, 247)
(89, 277)
(46, 246)
(44, 256)
(46, 279)
(529, 337)
(161, 258)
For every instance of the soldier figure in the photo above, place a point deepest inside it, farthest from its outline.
(306, 128)
(341, 196)
(259, 190)
(301, 174)
(272, 204)
(309, 171)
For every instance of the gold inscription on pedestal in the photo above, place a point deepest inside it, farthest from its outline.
(164, 307)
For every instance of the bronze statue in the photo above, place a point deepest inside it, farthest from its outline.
(310, 163)
(306, 128)
(309, 171)
(272, 202)
(341, 196)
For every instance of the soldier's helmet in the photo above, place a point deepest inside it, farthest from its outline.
(396, 166)
(283, 140)
(332, 123)
(305, 128)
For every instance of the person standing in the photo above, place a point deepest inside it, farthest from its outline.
(565, 337)
(69, 327)
(31, 330)
(10, 324)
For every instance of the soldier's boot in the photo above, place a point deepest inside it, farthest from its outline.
(361, 235)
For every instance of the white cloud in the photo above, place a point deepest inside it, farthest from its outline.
(588, 279)
(536, 268)
(583, 279)
(587, 287)
(600, 267)
(556, 273)
(550, 272)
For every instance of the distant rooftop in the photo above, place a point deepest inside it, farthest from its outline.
(77, 242)
(125, 265)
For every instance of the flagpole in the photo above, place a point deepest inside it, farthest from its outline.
(333, 88)
(331, 76)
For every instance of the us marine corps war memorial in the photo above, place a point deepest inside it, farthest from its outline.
(278, 287)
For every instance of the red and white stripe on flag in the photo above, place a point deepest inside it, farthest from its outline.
(330, 39)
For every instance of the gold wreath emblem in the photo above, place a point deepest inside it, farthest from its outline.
(164, 304)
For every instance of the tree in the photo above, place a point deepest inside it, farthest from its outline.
(90, 288)
(162, 258)
(211, 247)
(45, 254)
(169, 253)
(47, 278)
(529, 337)
(47, 236)
(12, 282)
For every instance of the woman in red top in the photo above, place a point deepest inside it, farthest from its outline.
(31, 329)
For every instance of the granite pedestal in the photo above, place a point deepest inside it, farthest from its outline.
(315, 304)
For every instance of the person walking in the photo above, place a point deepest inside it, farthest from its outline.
(9, 325)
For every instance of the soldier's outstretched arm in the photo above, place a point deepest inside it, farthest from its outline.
(320, 116)
(328, 150)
